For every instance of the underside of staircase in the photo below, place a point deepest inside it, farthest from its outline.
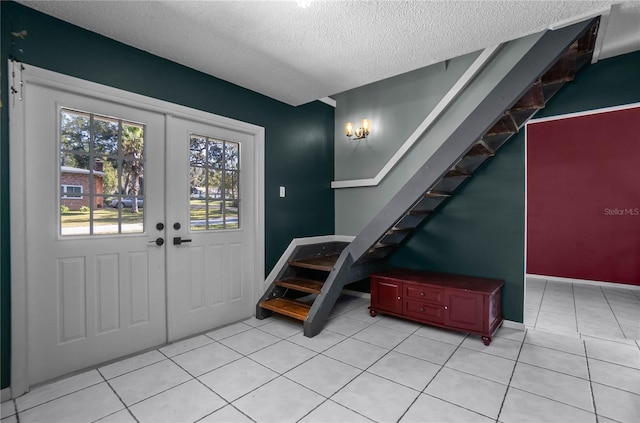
(307, 287)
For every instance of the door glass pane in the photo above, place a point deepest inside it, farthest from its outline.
(106, 136)
(232, 155)
(231, 215)
(75, 132)
(105, 217)
(74, 222)
(101, 175)
(214, 185)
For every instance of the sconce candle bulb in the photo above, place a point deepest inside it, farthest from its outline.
(361, 132)
(348, 129)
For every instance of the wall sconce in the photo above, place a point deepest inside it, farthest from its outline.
(360, 133)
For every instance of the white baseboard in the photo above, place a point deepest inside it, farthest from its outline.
(513, 325)
(297, 242)
(358, 294)
(5, 394)
(584, 282)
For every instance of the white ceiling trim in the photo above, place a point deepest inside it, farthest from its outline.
(328, 100)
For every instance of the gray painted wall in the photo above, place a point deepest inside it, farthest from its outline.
(357, 206)
(395, 107)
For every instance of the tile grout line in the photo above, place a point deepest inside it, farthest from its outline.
(136, 369)
(227, 403)
(56, 398)
(593, 397)
(15, 408)
(544, 289)
(613, 312)
(511, 377)
(575, 311)
(119, 398)
(224, 406)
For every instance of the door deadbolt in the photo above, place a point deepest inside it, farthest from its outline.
(160, 226)
(176, 226)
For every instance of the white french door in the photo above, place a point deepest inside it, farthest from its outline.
(211, 214)
(93, 279)
(90, 297)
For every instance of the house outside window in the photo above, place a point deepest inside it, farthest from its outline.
(71, 191)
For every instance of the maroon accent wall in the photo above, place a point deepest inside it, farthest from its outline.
(583, 196)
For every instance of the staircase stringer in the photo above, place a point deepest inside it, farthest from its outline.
(344, 272)
(505, 94)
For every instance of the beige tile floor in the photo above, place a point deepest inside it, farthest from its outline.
(359, 369)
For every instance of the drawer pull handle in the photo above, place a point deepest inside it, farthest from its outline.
(421, 308)
(445, 307)
(422, 294)
(398, 297)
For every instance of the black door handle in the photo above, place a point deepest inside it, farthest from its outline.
(158, 241)
(178, 240)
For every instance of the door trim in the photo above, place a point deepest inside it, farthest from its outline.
(19, 272)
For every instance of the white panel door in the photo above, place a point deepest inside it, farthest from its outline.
(95, 276)
(211, 208)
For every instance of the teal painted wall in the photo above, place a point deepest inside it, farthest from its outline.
(299, 140)
(480, 231)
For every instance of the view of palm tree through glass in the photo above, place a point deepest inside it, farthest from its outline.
(101, 174)
(214, 183)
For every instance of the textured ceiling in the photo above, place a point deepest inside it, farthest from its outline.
(297, 54)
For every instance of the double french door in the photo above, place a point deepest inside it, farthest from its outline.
(140, 226)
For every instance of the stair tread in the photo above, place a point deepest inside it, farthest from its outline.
(505, 125)
(287, 307)
(480, 149)
(420, 212)
(564, 69)
(325, 263)
(301, 284)
(436, 193)
(533, 99)
(457, 172)
(398, 230)
(382, 247)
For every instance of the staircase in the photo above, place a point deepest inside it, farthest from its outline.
(309, 285)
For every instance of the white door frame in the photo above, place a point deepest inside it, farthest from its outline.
(37, 76)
